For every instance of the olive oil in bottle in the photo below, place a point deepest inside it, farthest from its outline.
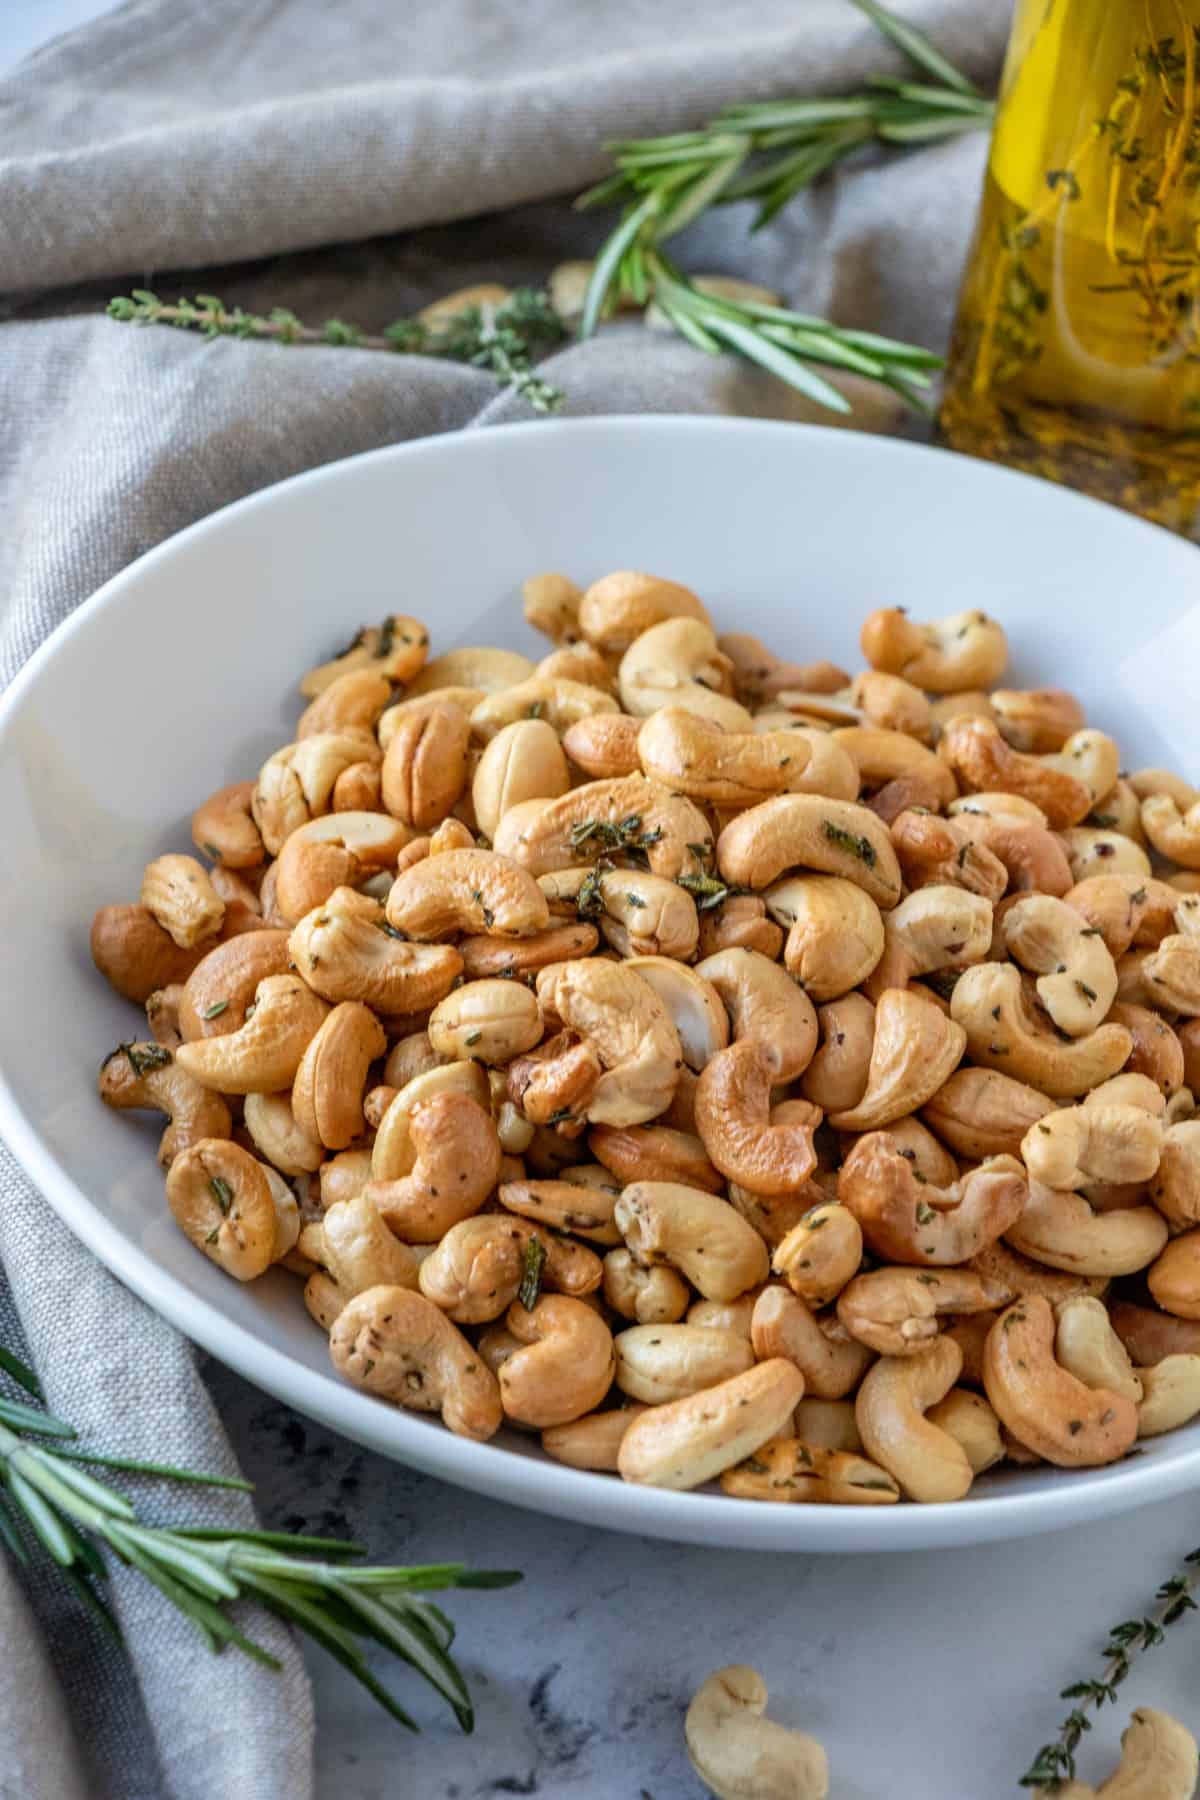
(1076, 354)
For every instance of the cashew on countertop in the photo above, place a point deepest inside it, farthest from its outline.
(731, 1068)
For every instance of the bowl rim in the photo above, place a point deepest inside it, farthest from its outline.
(536, 1483)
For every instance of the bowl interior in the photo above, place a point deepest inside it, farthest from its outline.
(180, 676)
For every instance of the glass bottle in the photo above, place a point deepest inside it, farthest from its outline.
(1076, 354)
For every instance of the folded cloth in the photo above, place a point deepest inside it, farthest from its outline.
(170, 138)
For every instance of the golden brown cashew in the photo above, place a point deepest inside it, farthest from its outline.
(654, 1153)
(1176, 1187)
(627, 1025)
(223, 828)
(604, 746)
(1157, 1050)
(836, 1078)
(467, 890)
(916, 1049)
(145, 1076)
(457, 1167)
(585, 1208)
(134, 953)
(835, 932)
(759, 674)
(396, 648)
(1170, 1395)
(340, 849)
(296, 783)
(909, 1220)
(654, 1296)
(222, 985)
(425, 767)
(733, 1103)
(884, 756)
(394, 1152)
(1078, 1144)
(560, 701)
(970, 1421)
(353, 700)
(966, 650)
(1062, 1229)
(918, 1146)
(580, 662)
(659, 1363)
(1037, 719)
(1034, 859)
(1043, 1406)
(819, 1256)
(695, 756)
(811, 832)
(222, 1200)
(982, 760)
(1150, 1336)
(687, 1443)
(1088, 1348)
(178, 893)
(346, 950)
(592, 1442)
(1093, 851)
(397, 1344)
(890, 1409)
(328, 1087)
(603, 818)
(264, 1054)
(1002, 1033)
(1174, 1279)
(492, 1021)
(739, 1754)
(1172, 828)
(1077, 978)
(1125, 909)
(555, 1081)
(938, 927)
(947, 852)
(524, 761)
(677, 663)
(360, 1252)
(620, 607)
(277, 1137)
(981, 1113)
(895, 1311)
(765, 1007)
(892, 704)
(565, 1366)
(793, 1471)
(830, 1360)
(698, 1233)
(642, 914)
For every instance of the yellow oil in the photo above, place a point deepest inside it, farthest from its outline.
(1076, 354)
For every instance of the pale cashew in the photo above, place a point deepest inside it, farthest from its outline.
(592, 1442)
(970, 703)
(524, 761)
(725, 1315)
(604, 745)
(178, 893)
(938, 927)
(457, 1167)
(1037, 719)
(1003, 1033)
(699, 1234)
(948, 852)
(821, 1254)
(358, 788)
(346, 950)
(1077, 978)
(836, 1078)
(1158, 1762)
(1090, 757)
(394, 1152)
(694, 1006)
(580, 663)
(890, 1409)
(1120, 810)
(559, 702)
(659, 1363)
(277, 1137)
(328, 1086)
(1063, 1230)
(1167, 977)
(892, 704)
(492, 1021)
(694, 755)
(654, 1153)
(397, 1344)
(323, 1299)
(585, 1208)
(341, 1177)
(296, 783)
(733, 1098)
(830, 1360)
(146, 1076)
(1086, 1345)
(654, 1296)
(397, 649)
(1170, 1395)
(996, 804)
(766, 1007)
(467, 890)
(1174, 1278)
(895, 1311)
(221, 1199)
(620, 607)
(1093, 851)
(906, 1218)
(1109, 1143)
(221, 987)
(223, 828)
(835, 932)
(830, 769)
(474, 666)
(811, 832)
(965, 650)
(827, 1425)
(1176, 1187)
(1174, 829)
(688, 1442)
(641, 914)
(677, 663)
(627, 1025)
(360, 1252)
(626, 816)
(264, 1054)
(916, 1049)
(340, 849)
(551, 605)
(970, 1421)
(564, 1366)
(1043, 1406)
(741, 1755)
(982, 760)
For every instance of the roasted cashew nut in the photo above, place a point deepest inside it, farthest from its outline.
(1077, 978)
(468, 891)
(346, 950)
(592, 1442)
(791, 1471)
(491, 1020)
(946, 852)
(646, 915)
(223, 828)
(915, 1050)
(895, 1311)
(360, 1252)
(559, 701)
(965, 650)
(296, 783)
(733, 1118)
(830, 1360)
(890, 1409)
(395, 1343)
(564, 1367)
(696, 1008)
(970, 1421)
(630, 1030)
(694, 755)
(983, 761)
(821, 1254)
(146, 1076)
(938, 927)
(654, 1296)
(1158, 1762)
(809, 831)
(457, 1167)
(654, 1153)
(1176, 1187)
(1033, 858)
(524, 761)
(1063, 1230)
(134, 953)
(739, 1754)
(765, 1007)
(340, 849)
(836, 1078)
(221, 987)
(1043, 1406)
(687, 1443)
(659, 1363)
(677, 663)
(1087, 1347)
(221, 1199)
(620, 607)
(1002, 1033)
(981, 1113)
(605, 818)
(835, 932)
(1174, 830)
(699, 1234)
(328, 1086)
(909, 1220)
(1167, 976)
(264, 1054)
(604, 746)
(1037, 719)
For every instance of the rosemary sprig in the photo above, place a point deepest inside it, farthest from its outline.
(47, 1499)
(1054, 1763)
(503, 339)
(768, 152)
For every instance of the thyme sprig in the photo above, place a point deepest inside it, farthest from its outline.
(47, 1499)
(1054, 1763)
(502, 340)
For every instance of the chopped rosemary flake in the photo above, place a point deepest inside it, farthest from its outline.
(925, 1214)
(215, 1010)
(533, 1261)
(709, 891)
(472, 1037)
(222, 1192)
(1088, 993)
(143, 1058)
(849, 841)
(387, 633)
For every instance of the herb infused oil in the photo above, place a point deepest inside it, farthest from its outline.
(1076, 353)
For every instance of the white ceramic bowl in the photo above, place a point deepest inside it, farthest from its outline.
(180, 676)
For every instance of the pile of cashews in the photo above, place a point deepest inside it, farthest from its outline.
(727, 1067)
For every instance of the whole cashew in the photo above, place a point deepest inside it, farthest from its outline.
(970, 1421)
(982, 760)
(884, 756)
(836, 1078)
(581, 663)
(908, 1220)
(694, 755)
(264, 1054)
(1176, 1186)
(627, 1025)
(457, 1167)
(1044, 1407)
(1033, 858)
(938, 927)
(989, 1003)
(1110, 1143)
(565, 1366)
(694, 1005)
(1077, 978)
(620, 607)
(1088, 1348)
(654, 1296)
(654, 1153)
(1157, 1050)
(688, 1442)
(360, 1252)
(425, 765)
(470, 891)
(1174, 830)
(328, 1086)
(606, 816)
(1167, 976)
(890, 1409)
(981, 1113)
(739, 1754)
(835, 932)
(821, 1254)
(397, 649)
(1093, 851)
(892, 704)
(697, 1233)
(221, 1199)
(223, 828)
(178, 892)
(1062, 1229)
(604, 745)
(556, 1081)
(277, 1137)
(485, 955)
(221, 987)
(134, 953)
(830, 1360)
(492, 1021)
(296, 783)
(677, 663)
(340, 849)
(659, 1363)
(809, 831)
(394, 1152)
(966, 650)
(397, 1344)
(585, 1209)
(353, 700)
(1174, 1278)
(559, 701)
(733, 1101)
(765, 1007)
(1037, 719)
(895, 1311)
(346, 950)
(946, 852)
(145, 1076)
(1170, 1395)
(916, 1049)
(646, 915)
(760, 674)
(593, 1441)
